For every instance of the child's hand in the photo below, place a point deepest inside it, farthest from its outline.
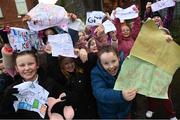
(26, 18)
(72, 16)
(129, 95)
(83, 55)
(99, 31)
(169, 38)
(47, 49)
(148, 6)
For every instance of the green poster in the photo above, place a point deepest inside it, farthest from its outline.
(148, 79)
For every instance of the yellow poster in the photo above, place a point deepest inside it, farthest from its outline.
(152, 47)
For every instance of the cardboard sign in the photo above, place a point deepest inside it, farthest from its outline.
(151, 45)
(148, 79)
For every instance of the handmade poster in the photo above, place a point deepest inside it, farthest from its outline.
(94, 18)
(77, 25)
(19, 39)
(128, 13)
(159, 5)
(47, 1)
(31, 97)
(108, 26)
(152, 47)
(61, 44)
(46, 15)
(23, 39)
(148, 79)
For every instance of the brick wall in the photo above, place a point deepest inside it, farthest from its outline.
(10, 14)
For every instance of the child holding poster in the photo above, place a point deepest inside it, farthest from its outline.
(74, 75)
(127, 35)
(159, 21)
(26, 64)
(112, 104)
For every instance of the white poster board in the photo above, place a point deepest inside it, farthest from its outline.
(46, 15)
(128, 13)
(94, 18)
(31, 97)
(61, 44)
(162, 4)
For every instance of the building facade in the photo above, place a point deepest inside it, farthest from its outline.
(12, 11)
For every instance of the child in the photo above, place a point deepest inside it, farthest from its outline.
(92, 47)
(26, 64)
(74, 76)
(126, 35)
(157, 17)
(112, 104)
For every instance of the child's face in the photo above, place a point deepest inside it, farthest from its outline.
(93, 47)
(27, 66)
(125, 31)
(68, 64)
(49, 32)
(110, 62)
(157, 20)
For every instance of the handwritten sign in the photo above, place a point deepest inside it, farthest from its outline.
(94, 18)
(61, 45)
(162, 4)
(31, 97)
(46, 15)
(108, 26)
(23, 39)
(148, 79)
(77, 25)
(128, 13)
(19, 39)
(151, 45)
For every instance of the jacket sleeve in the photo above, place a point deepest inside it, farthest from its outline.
(102, 93)
(169, 17)
(53, 68)
(136, 28)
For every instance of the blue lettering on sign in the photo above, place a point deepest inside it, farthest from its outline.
(91, 20)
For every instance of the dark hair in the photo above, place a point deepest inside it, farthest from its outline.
(27, 52)
(4, 36)
(156, 14)
(108, 49)
(45, 36)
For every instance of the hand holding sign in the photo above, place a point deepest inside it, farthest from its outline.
(162, 4)
(94, 18)
(128, 13)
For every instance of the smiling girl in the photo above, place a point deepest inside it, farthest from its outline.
(27, 67)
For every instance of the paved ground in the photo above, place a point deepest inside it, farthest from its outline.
(159, 113)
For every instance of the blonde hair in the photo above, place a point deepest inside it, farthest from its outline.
(67, 74)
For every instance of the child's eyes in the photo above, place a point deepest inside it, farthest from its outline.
(113, 61)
